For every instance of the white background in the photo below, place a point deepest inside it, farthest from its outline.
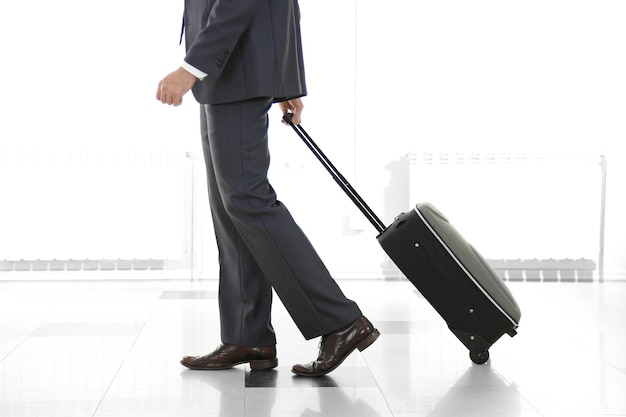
(385, 80)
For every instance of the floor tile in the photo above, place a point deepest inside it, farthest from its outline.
(111, 349)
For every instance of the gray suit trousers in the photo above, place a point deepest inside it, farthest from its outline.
(260, 245)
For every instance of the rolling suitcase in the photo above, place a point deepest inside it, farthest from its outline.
(453, 277)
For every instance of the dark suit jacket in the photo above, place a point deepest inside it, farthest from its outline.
(248, 48)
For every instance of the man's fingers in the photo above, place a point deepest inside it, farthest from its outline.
(168, 98)
(158, 93)
(173, 87)
(295, 108)
(295, 118)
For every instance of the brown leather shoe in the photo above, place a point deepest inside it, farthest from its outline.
(226, 356)
(336, 347)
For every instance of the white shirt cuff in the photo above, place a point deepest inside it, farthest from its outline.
(193, 70)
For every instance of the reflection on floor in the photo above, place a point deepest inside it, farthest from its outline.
(112, 348)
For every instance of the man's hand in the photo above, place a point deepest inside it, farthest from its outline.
(173, 87)
(294, 107)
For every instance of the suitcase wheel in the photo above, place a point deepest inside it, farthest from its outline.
(479, 357)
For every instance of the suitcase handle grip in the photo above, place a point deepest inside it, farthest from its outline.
(334, 172)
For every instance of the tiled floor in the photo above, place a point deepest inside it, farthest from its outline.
(109, 349)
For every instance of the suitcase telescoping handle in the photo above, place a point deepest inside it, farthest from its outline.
(340, 179)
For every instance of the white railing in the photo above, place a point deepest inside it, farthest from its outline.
(95, 210)
(535, 208)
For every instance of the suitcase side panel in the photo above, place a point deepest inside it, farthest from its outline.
(472, 316)
(470, 259)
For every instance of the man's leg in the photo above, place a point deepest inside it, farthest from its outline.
(238, 149)
(245, 296)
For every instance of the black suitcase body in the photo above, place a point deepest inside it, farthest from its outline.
(455, 279)
(451, 275)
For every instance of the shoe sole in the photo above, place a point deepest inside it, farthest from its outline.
(262, 365)
(361, 346)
